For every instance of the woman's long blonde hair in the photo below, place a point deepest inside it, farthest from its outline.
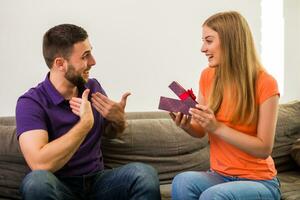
(238, 68)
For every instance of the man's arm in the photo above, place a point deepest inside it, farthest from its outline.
(42, 154)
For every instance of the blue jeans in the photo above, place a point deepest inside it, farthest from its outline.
(213, 186)
(132, 181)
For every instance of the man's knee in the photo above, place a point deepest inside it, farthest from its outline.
(38, 181)
(144, 171)
(144, 175)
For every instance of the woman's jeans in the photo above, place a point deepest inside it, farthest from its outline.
(213, 186)
(132, 181)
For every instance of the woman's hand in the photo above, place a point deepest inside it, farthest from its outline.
(181, 120)
(205, 117)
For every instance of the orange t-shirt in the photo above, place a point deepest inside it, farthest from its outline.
(227, 159)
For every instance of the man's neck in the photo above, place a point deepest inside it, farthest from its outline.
(63, 86)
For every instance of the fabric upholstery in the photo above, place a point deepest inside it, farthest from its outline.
(295, 152)
(12, 164)
(290, 185)
(151, 137)
(160, 143)
(287, 132)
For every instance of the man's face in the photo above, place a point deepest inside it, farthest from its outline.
(80, 63)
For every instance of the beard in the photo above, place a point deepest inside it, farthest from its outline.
(75, 78)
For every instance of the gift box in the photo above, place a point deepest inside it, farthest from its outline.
(186, 100)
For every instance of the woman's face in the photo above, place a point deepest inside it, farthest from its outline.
(211, 46)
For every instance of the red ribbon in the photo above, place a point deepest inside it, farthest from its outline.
(188, 93)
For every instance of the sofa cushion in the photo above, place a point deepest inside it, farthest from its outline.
(12, 164)
(295, 152)
(290, 185)
(287, 132)
(160, 143)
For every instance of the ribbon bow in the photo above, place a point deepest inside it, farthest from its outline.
(188, 93)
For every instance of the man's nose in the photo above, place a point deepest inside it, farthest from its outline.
(92, 61)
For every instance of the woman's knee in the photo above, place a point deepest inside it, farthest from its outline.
(183, 186)
(184, 178)
(216, 194)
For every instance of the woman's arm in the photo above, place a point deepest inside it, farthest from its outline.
(259, 146)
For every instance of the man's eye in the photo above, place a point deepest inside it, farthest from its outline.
(85, 56)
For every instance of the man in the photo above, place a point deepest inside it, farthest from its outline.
(60, 123)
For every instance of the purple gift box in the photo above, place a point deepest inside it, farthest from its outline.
(187, 100)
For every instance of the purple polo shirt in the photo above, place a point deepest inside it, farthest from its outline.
(43, 107)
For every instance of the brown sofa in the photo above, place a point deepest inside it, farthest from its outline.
(151, 137)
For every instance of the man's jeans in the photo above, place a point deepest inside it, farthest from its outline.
(132, 181)
(213, 186)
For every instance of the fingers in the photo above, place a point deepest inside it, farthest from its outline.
(76, 112)
(205, 117)
(75, 101)
(178, 118)
(181, 120)
(185, 120)
(75, 105)
(201, 112)
(100, 102)
(104, 100)
(199, 115)
(125, 95)
(85, 94)
(104, 105)
(124, 99)
(172, 115)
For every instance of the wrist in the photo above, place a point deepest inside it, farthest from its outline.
(120, 124)
(86, 123)
(219, 129)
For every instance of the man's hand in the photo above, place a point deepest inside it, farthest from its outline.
(111, 110)
(82, 108)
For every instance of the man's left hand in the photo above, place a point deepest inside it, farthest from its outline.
(109, 109)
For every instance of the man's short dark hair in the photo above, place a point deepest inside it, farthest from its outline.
(59, 41)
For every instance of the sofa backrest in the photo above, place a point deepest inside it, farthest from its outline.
(287, 132)
(12, 164)
(153, 138)
(150, 137)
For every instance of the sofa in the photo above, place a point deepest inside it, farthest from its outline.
(152, 138)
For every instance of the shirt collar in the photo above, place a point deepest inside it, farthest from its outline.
(54, 95)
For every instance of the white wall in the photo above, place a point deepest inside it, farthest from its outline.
(292, 52)
(140, 46)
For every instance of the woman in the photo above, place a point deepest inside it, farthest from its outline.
(237, 108)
